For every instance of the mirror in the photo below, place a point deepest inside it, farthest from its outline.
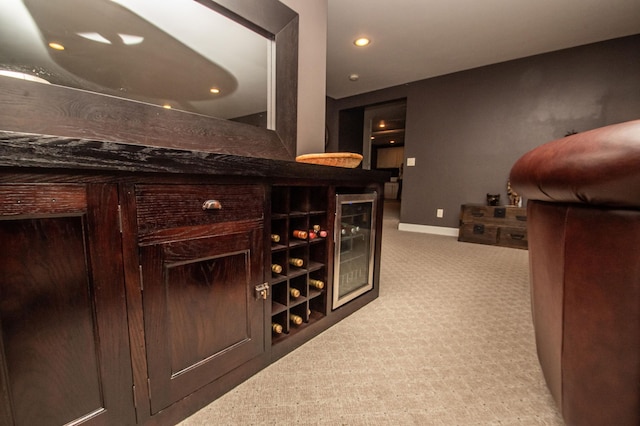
(92, 107)
(178, 54)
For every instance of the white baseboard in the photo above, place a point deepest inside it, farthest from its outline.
(428, 229)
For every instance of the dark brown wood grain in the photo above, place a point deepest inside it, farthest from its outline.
(64, 331)
(108, 288)
(153, 313)
(43, 199)
(46, 313)
(133, 282)
(20, 150)
(184, 253)
(172, 206)
(287, 84)
(202, 318)
(78, 114)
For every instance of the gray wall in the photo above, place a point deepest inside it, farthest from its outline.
(467, 129)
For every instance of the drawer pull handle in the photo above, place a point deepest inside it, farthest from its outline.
(212, 205)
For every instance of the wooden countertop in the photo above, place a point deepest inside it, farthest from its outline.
(26, 150)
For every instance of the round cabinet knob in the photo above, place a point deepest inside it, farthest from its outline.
(212, 205)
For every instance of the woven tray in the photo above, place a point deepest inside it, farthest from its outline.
(336, 159)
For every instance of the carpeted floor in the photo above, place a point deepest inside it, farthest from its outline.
(448, 342)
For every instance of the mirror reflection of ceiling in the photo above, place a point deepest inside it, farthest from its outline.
(177, 54)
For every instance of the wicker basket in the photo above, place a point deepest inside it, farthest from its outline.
(336, 159)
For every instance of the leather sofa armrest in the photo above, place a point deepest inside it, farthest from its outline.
(597, 167)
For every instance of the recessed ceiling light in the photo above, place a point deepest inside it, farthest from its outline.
(392, 142)
(214, 90)
(166, 106)
(354, 77)
(56, 46)
(382, 125)
(362, 41)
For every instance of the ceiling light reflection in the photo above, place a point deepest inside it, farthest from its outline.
(94, 37)
(56, 46)
(130, 40)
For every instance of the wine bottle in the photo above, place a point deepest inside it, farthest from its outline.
(294, 292)
(322, 233)
(296, 319)
(297, 233)
(316, 283)
(275, 238)
(312, 234)
(276, 268)
(296, 261)
(277, 328)
(348, 228)
(316, 228)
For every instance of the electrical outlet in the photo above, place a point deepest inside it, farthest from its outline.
(440, 213)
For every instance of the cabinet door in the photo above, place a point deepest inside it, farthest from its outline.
(64, 348)
(202, 317)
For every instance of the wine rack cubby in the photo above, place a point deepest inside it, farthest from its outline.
(299, 248)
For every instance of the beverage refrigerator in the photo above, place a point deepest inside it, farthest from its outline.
(355, 226)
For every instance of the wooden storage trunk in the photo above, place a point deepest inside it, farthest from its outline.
(495, 225)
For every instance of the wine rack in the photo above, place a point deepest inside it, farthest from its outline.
(298, 291)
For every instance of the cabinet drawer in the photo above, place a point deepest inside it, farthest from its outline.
(499, 215)
(516, 215)
(478, 233)
(513, 237)
(475, 213)
(172, 206)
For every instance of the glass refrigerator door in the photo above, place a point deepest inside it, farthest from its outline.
(354, 237)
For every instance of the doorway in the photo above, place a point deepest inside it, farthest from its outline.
(377, 131)
(383, 143)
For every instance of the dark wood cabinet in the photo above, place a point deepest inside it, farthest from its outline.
(199, 270)
(64, 348)
(138, 297)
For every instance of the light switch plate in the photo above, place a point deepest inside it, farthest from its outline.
(411, 161)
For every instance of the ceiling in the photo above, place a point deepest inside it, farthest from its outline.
(416, 39)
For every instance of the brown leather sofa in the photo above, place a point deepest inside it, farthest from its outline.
(583, 225)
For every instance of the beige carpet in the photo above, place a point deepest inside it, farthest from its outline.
(448, 342)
